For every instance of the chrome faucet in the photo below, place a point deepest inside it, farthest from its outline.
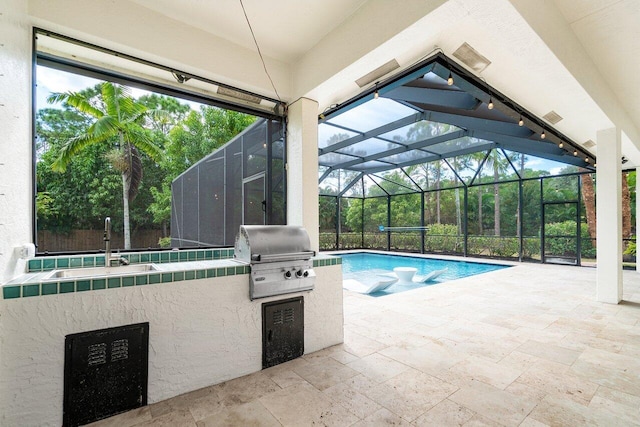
(108, 258)
(107, 241)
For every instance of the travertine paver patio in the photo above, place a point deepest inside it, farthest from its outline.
(527, 346)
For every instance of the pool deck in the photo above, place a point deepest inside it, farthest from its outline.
(523, 346)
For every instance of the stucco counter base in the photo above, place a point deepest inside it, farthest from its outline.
(201, 332)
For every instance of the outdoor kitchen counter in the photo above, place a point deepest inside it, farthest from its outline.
(48, 283)
(41, 279)
(203, 327)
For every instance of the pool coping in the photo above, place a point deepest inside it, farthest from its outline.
(444, 257)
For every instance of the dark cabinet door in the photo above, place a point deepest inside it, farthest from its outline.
(105, 373)
(282, 331)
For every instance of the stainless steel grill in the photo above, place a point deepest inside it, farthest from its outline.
(280, 259)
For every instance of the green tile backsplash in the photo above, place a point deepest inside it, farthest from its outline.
(66, 287)
(30, 290)
(35, 265)
(11, 292)
(52, 288)
(81, 285)
(53, 263)
(49, 287)
(97, 284)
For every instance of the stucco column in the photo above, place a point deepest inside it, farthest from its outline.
(637, 215)
(16, 142)
(302, 168)
(609, 217)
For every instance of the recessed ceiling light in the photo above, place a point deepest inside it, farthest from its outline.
(552, 117)
(377, 73)
(471, 57)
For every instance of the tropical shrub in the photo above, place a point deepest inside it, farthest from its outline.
(443, 238)
(375, 240)
(405, 241)
(350, 240)
(531, 247)
(327, 241)
(631, 247)
(164, 242)
(566, 246)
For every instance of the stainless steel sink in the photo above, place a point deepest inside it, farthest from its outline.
(102, 271)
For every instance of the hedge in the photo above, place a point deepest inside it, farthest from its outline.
(444, 238)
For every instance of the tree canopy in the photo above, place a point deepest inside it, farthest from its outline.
(86, 145)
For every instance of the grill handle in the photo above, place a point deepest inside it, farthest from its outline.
(282, 257)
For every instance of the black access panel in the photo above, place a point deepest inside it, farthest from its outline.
(282, 331)
(105, 373)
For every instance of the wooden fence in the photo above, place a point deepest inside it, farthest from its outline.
(92, 240)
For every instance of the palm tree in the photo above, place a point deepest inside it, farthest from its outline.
(496, 162)
(478, 158)
(421, 131)
(119, 121)
(460, 163)
(438, 171)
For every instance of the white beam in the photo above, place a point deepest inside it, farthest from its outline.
(302, 168)
(609, 217)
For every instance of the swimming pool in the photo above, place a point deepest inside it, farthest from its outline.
(354, 265)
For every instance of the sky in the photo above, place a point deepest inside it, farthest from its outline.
(50, 80)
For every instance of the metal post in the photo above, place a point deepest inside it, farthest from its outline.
(388, 223)
(520, 221)
(579, 225)
(338, 222)
(268, 174)
(34, 157)
(542, 220)
(362, 223)
(465, 222)
(283, 124)
(422, 222)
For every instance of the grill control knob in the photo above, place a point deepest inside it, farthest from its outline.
(306, 273)
(299, 273)
(287, 275)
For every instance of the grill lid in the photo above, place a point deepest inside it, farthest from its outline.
(271, 243)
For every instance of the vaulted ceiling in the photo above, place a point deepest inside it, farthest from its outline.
(434, 111)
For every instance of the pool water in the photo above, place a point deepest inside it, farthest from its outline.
(356, 264)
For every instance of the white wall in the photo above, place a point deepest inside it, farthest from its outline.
(202, 332)
(15, 144)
